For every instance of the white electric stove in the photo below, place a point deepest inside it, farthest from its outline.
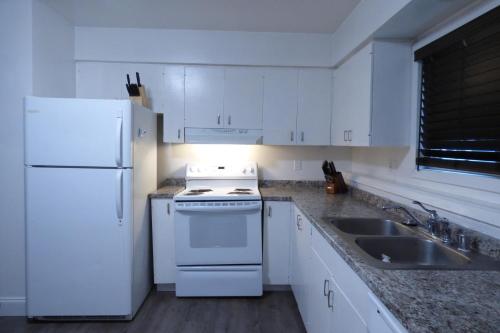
(218, 232)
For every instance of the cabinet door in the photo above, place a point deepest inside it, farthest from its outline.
(204, 96)
(173, 104)
(243, 94)
(319, 310)
(100, 80)
(314, 106)
(276, 242)
(297, 262)
(340, 117)
(380, 320)
(345, 317)
(357, 87)
(163, 240)
(280, 106)
(301, 249)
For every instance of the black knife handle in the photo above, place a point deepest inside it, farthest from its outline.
(138, 79)
(128, 79)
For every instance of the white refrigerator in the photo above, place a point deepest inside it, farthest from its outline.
(89, 167)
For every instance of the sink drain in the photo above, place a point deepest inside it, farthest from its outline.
(386, 258)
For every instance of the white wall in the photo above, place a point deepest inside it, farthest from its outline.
(26, 29)
(274, 162)
(361, 24)
(16, 69)
(202, 47)
(53, 53)
(471, 200)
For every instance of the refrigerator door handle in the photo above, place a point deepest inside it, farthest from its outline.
(119, 195)
(118, 141)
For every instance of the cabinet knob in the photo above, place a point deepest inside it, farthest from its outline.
(291, 136)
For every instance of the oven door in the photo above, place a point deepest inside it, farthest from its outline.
(218, 233)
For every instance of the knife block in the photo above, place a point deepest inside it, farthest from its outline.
(337, 185)
(142, 99)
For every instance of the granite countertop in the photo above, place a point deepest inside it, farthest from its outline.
(166, 192)
(423, 300)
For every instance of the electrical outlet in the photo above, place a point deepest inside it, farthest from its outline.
(297, 165)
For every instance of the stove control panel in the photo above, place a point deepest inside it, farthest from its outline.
(246, 170)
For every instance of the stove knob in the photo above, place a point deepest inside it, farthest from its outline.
(199, 170)
(190, 169)
(252, 170)
(244, 170)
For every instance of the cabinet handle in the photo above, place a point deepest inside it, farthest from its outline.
(326, 287)
(349, 135)
(291, 136)
(302, 136)
(345, 132)
(269, 211)
(299, 224)
(330, 297)
(218, 119)
(168, 208)
(179, 133)
(229, 120)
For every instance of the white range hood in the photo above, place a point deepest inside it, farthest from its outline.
(223, 135)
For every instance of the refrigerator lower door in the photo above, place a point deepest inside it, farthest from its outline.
(78, 132)
(79, 242)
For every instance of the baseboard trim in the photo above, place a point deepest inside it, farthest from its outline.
(277, 287)
(13, 306)
(165, 287)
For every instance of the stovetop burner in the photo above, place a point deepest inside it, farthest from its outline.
(201, 190)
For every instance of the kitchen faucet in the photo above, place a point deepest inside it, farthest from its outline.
(437, 226)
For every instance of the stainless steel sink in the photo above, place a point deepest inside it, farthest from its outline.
(369, 226)
(387, 244)
(410, 251)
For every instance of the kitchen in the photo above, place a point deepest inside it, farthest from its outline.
(242, 103)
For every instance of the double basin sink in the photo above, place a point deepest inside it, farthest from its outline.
(390, 245)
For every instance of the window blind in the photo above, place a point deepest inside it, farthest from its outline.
(460, 98)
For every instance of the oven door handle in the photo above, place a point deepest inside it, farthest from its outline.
(220, 209)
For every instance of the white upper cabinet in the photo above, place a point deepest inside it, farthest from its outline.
(173, 103)
(314, 106)
(371, 99)
(204, 106)
(280, 106)
(243, 94)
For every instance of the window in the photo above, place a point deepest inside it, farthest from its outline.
(460, 98)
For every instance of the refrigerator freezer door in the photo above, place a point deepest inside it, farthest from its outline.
(78, 132)
(79, 251)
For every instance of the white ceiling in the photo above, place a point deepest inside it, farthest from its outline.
(308, 16)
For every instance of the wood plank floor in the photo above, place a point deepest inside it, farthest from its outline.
(163, 312)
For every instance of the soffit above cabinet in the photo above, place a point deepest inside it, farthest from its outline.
(319, 16)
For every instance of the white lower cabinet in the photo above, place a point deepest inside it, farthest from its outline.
(300, 250)
(163, 241)
(329, 294)
(276, 244)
